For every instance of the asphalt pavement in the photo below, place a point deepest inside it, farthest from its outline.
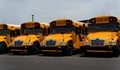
(40, 62)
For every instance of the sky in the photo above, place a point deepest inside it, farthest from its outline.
(20, 11)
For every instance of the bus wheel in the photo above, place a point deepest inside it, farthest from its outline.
(68, 50)
(35, 48)
(3, 48)
(116, 50)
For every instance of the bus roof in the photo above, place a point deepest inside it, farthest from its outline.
(76, 23)
(103, 16)
(103, 19)
(42, 25)
(11, 27)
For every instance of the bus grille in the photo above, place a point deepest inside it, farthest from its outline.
(18, 43)
(97, 43)
(50, 43)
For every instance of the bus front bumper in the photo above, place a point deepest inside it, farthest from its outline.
(51, 49)
(97, 49)
(19, 49)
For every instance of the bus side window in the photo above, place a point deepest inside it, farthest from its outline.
(80, 30)
(48, 31)
(76, 30)
(12, 33)
(80, 33)
(44, 31)
(119, 26)
(17, 32)
(86, 32)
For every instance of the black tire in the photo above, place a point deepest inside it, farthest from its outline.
(68, 50)
(116, 50)
(35, 48)
(87, 54)
(46, 54)
(3, 48)
(16, 53)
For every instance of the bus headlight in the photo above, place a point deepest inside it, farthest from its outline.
(111, 43)
(85, 43)
(62, 43)
(28, 43)
(11, 44)
(41, 44)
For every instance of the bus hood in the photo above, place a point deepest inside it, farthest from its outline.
(25, 38)
(1, 37)
(58, 37)
(101, 35)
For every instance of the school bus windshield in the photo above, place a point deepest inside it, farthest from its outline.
(62, 29)
(4, 32)
(103, 27)
(31, 31)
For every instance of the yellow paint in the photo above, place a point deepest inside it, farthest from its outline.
(98, 51)
(20, 50)
(102, 20)
(107, 36)
(66, 37)
(51, 50)
(61, 23)
(30, 25)
(8, 38)
(1, 26)
(30, 39)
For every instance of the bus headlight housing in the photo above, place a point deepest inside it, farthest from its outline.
(28, 43)
(62, 43)
(111, 43)
(11, 44)
(85, 43)
(41, 44)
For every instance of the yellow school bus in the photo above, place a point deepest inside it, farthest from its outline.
(7, 34)
(103, 35)
(64, 37)
(32, 33)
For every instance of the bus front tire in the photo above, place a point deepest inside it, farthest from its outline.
(116, 50)
(3, 48)
(35, 49)
(68, 50)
